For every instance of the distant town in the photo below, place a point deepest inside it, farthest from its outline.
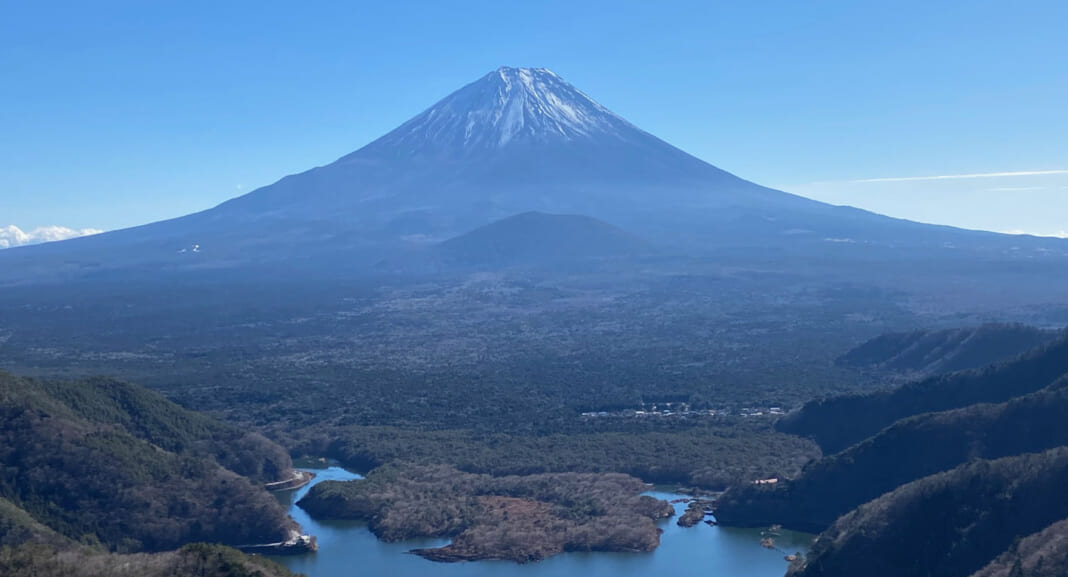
(681, 410)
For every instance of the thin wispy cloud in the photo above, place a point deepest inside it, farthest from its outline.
(963, 176)
(1019, 201)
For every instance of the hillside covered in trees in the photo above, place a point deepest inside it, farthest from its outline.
(951, 524)
(928, 351)
(17, 527)
(838, 422)
(194, 560)
(1044, 554)
(104, 462)
(954, 475)
(907, 450)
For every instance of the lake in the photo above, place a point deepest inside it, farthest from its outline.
(348, 548)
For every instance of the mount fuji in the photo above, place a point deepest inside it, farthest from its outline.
(517, 140)
(514, 141)
(516, 251)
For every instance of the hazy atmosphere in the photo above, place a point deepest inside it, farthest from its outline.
(476, 289)
(177, 112)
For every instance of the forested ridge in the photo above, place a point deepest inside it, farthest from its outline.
(950, 524)
(934, 351)
(17, 527)
(1043, 554)
(838, 422)
(194, 560)
(907, 450)
(104, 462)
(967, 476)
(148, 415)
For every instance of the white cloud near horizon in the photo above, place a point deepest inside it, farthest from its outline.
(12, 236)
(1058, 234)
(1020, 202)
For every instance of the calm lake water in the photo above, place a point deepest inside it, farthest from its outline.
(349, 549)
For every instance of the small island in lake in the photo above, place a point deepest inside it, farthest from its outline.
(516, 518)
(696, 512)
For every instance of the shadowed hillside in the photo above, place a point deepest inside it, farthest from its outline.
(948, 350)
(104, 461)
(908, 450)
(196, 560)
(149, 416)
(1044, 554)
(838, 422)
(951, 524)
(535, 238)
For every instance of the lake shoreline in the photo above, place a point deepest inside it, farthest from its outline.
(522, 519)
(683, 552)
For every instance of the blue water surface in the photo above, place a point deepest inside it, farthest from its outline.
(349, 549)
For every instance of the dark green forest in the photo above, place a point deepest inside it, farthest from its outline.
(953, 475)
(907, 450)
(708, 456)
(515, 354)
(950, 524)
(193, 560)
(106, 463)
(17, 527)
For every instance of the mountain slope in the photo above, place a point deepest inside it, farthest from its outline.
(1044, 554)
(838, 422)
(951, 524)
(947, 350)
(148, 416)
(535, 238)
(196, 560)
(516, 140)
(908, 450)
(86, 475)
(17, 527)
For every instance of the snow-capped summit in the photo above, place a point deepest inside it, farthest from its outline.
(506, 107)
(515, 140)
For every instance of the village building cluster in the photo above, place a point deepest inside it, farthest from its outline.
(682, 410)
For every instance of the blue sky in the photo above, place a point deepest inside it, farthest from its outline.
(115, 114)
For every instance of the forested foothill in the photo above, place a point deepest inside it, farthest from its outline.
(840, 421)
(950, 524)
(966, 477)
(107, 463)
(193, 560)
